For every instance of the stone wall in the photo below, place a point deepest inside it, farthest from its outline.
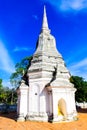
(81, 104)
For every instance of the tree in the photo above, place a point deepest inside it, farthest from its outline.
(8, 96)
(1, 90)
(1, 83)
(81, 85)
(20, 71)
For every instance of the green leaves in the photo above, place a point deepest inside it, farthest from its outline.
(20, 71)
(1, 83)
(81, 85)
(8, 96)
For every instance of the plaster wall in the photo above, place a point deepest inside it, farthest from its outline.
(68, 96)
(23, 101)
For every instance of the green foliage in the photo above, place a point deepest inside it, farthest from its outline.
(81, 86)
(20, 71)
(1, 83)
(8, 96)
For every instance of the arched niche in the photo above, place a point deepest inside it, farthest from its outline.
(62, 110)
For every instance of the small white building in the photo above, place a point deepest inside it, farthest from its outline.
(50, 96)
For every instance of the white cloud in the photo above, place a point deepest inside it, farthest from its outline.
(82, 63)
(79, 68)
(68, 5)
(73, 5)
(6, 62)
(16, 49)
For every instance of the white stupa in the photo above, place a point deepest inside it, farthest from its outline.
(50, 96)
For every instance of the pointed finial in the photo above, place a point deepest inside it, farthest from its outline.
(45, 22)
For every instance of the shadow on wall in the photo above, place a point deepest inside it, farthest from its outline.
(8, 111)
(5, 108)
(81, 110)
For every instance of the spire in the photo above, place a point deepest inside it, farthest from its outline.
(45, 22)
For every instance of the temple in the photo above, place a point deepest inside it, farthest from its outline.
(49, 96)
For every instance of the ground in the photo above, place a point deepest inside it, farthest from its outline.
(7, 122)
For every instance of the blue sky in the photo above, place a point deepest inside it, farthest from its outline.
(20, 25)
